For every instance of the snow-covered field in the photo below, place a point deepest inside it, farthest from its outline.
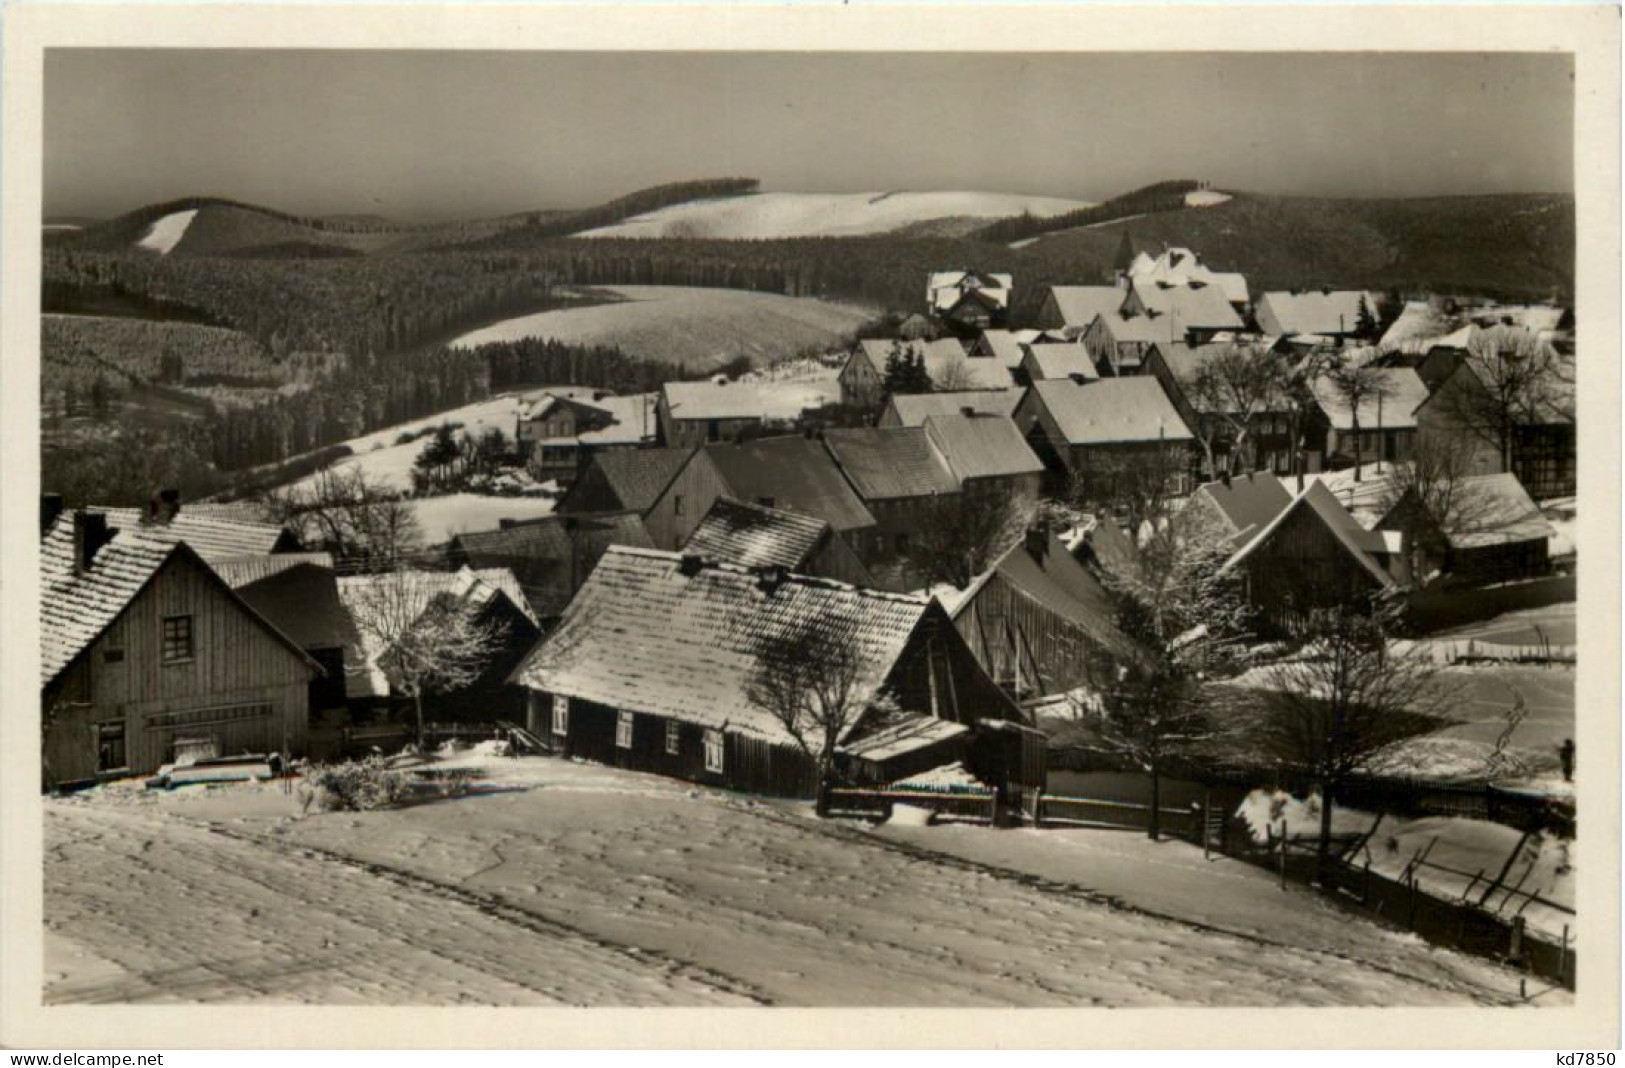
(770, 215)
(696, 327)
(166, 233)
(580, 885)
(442, 518)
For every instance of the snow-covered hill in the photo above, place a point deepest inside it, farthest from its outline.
(770, 215)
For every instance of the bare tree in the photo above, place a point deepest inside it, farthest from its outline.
(1436, 497)
(1232, 390)
(960, 535)
(353, 516)
(1141, 485)
(809, 680)
(426, 637)
(1186, 617)
(954, 374)
(1510, 378)
(1354, 380)
(1347, 696)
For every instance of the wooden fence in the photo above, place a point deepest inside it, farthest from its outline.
(1058, 810)
(960, 805)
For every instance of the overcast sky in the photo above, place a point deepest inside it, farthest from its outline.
(429, 135)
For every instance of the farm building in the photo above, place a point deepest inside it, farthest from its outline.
(1241, 506)
(1493, 532)
(1386, 418)
(1312, 555)
(551, 557)
(1328, 313)
(863, 376)
(1073, 309)
(492, 596)
(913, 409)
(629, 481)
(1057, 360)
(1038, 622)
(652, 666)
(298, 594)
(1179, 367)
(555, 435)
(986, 453)
(1090, 429)
(145, 650)
(696, 413)
(751, 535)
(792, 472)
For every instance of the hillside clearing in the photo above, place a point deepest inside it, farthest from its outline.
(167, 232)
(775, 215)
(586, 885)
(698, 328)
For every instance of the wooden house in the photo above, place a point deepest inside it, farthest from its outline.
(492, 596)
(1175, 268)
(1073, 309)
(1496, 533)
(717, 409)
(145, 650)
(1119, 342)
(968, 301)
(1178, 366)
(549, 557)
(1038, 622)
(863, 376)
(752, 535)
(1386, 420)
(652, 664)
(792, 472)
(1312, 555)
(298, 594)
(1543, 450)
(1088, 430)
(630, 481)
(1197, 310)
(555, 435)
(893, 469)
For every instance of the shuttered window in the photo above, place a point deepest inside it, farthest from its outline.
(561, 715)
(623, 731)
(713, 751)
(673, 737)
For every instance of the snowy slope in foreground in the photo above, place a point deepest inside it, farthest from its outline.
(167, 232)
(769, 215)
(586, 885)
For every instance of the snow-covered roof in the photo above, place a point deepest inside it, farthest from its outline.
(212, 535)
(903, 737)
(943, 357)
(549, 557)
(1392, 405)
(1359, 542)
(652, 634)
(639, 476)
(885, 463)
(1194, 304)
(1497, 510)
(982, 446)
(1133, 409)
(240, 571)
(1180, 266)
(752, 535)
(1060, 360)
(1248, 502)
(721, 399)
(913, 409)
(1317, 311)
(1079, 305)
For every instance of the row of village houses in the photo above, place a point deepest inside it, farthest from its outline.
(1111, 368)
(631, 632)
(692, 535)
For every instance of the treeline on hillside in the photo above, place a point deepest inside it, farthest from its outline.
(543, 361)
(130, 227)
(620, 209)
(1159, 196)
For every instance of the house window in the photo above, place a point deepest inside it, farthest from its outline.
(713, 752)
(113, 656)
(677, 504)
(673, 737)
(623, 730)
(110, 746)
(177, 639)
(902, 544)
(561, 716)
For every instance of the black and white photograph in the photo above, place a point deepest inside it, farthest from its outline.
(885, 528)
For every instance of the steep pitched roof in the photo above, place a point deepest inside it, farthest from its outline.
(240, 571)
(751, 535)
(885, 463)
(1402, 391)
(640, 476)
(796, 473)
(1192, 305)
(982, 446)
(1061, 360)
(1158, 328)
(1134, 409)
(722, 399)
(913, 409)
(643, 635)
(1004, 346)
(1359, 542)
(551, 557)
(1314, 312)
(1079, 305)
(1249, 502)
(215, 537)
(1498, 511)
(77, 608)
(1368, 498)
(1180, 266)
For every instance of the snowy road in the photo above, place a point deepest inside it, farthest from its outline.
(594, 886)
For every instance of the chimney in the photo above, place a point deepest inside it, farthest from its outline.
(1036, 540)
(771, 577)
(50, 506)
(89, 535)
(1080, 378)
(690, 565)
(164, 506)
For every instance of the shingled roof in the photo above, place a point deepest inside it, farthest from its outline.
(212, 535)
(639, 476)
(548, 559)
(77, 607)
(240, 571)
(1112, 410)
(1359, 542)
(982, 446)
(795, 473)
(1335, 311)
(1079, 305)
(885, 463)
(648, 634)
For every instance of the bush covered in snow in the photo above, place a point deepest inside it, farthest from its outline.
(353, 786)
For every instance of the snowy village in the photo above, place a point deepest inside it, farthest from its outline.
(735, 597)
